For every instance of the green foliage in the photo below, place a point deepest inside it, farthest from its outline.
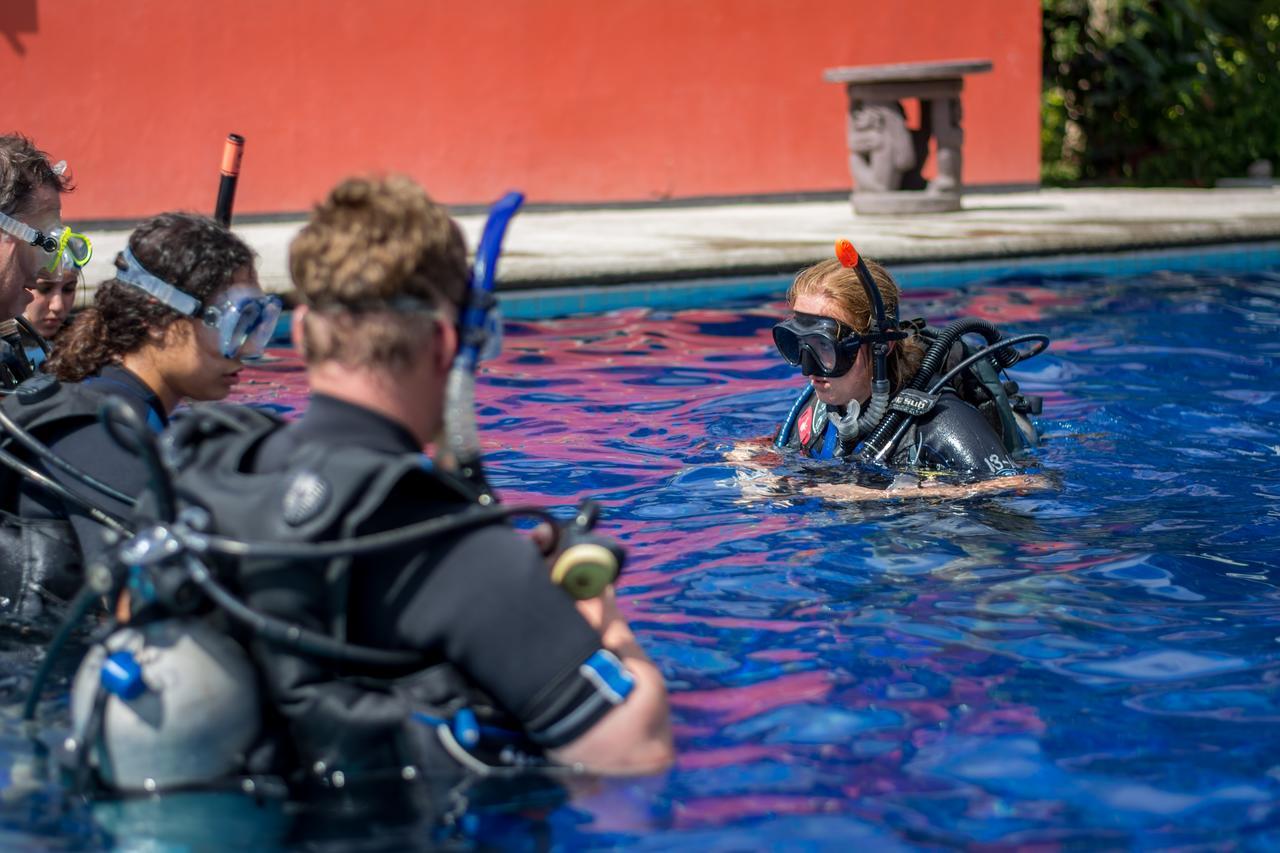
(1159, 92)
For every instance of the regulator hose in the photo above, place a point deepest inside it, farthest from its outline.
(877, 444)
(1005, 345)
(33, 445)
(80, 607)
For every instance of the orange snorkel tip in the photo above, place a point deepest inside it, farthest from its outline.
(232, 153)
(846, 254)
(229, 175)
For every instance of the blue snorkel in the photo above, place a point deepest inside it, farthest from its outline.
(479, 337)
(584, 563)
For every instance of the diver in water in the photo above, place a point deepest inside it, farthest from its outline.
(32, 238)
(869, 397)
(494, 645)
(182, 311)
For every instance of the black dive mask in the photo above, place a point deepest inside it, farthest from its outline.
(817, 345)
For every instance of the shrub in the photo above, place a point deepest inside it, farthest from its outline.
(1159, 92)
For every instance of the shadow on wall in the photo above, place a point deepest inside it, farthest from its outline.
(18, 17)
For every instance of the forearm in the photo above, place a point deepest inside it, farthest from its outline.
(634, 737)
(907, 486)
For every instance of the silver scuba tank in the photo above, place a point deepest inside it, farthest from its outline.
(181, 706)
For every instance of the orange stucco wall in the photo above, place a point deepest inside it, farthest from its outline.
(571, 100)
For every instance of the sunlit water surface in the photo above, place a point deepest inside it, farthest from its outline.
(1094, 664)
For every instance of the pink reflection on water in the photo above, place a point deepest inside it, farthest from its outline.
(728, 755)
(782, 655)
(720, 810)
(738, 703)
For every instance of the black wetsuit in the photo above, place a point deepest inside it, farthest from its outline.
(954, 436)
(478, 601)
(67, 423)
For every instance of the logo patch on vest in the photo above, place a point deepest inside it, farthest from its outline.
(805, 427)
(306, 497)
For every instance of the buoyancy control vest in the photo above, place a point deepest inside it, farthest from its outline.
(315, 495)
(370, 721)
(40, 560)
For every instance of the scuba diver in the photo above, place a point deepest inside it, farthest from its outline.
(181, 313)
(393, 626)
(32, 237)
(897, 395)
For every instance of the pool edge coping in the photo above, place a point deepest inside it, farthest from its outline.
(713, 287)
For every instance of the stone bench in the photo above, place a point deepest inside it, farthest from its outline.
(885, 155)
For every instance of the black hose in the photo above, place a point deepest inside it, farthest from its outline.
(367, 544)
(80, 605)
(95, 731)
(289, 634)
(32, 444)
(62, 492)
(873, 448)
(26, 326)
(982, 353)
(1003, 345)
(941, 347)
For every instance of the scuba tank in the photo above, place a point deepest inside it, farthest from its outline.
(169, 704)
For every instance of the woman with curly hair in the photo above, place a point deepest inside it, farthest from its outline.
(182, 312)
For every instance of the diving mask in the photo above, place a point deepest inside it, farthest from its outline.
(243, 317)
(818, 345)
(66, 250)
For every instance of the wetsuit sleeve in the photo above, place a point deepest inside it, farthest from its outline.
(956, 437)
(490, 606)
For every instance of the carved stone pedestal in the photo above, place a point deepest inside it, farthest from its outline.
(885, 155)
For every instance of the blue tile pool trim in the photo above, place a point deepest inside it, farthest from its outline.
(708, 292)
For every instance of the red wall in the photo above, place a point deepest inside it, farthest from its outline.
(571, 100)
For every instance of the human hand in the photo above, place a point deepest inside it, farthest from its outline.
(545, 537)
(602, 614)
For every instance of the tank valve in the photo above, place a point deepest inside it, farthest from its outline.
(122, 677)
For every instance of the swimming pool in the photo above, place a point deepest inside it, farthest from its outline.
(1094, 664)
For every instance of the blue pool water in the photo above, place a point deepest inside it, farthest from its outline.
(1095, 664)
